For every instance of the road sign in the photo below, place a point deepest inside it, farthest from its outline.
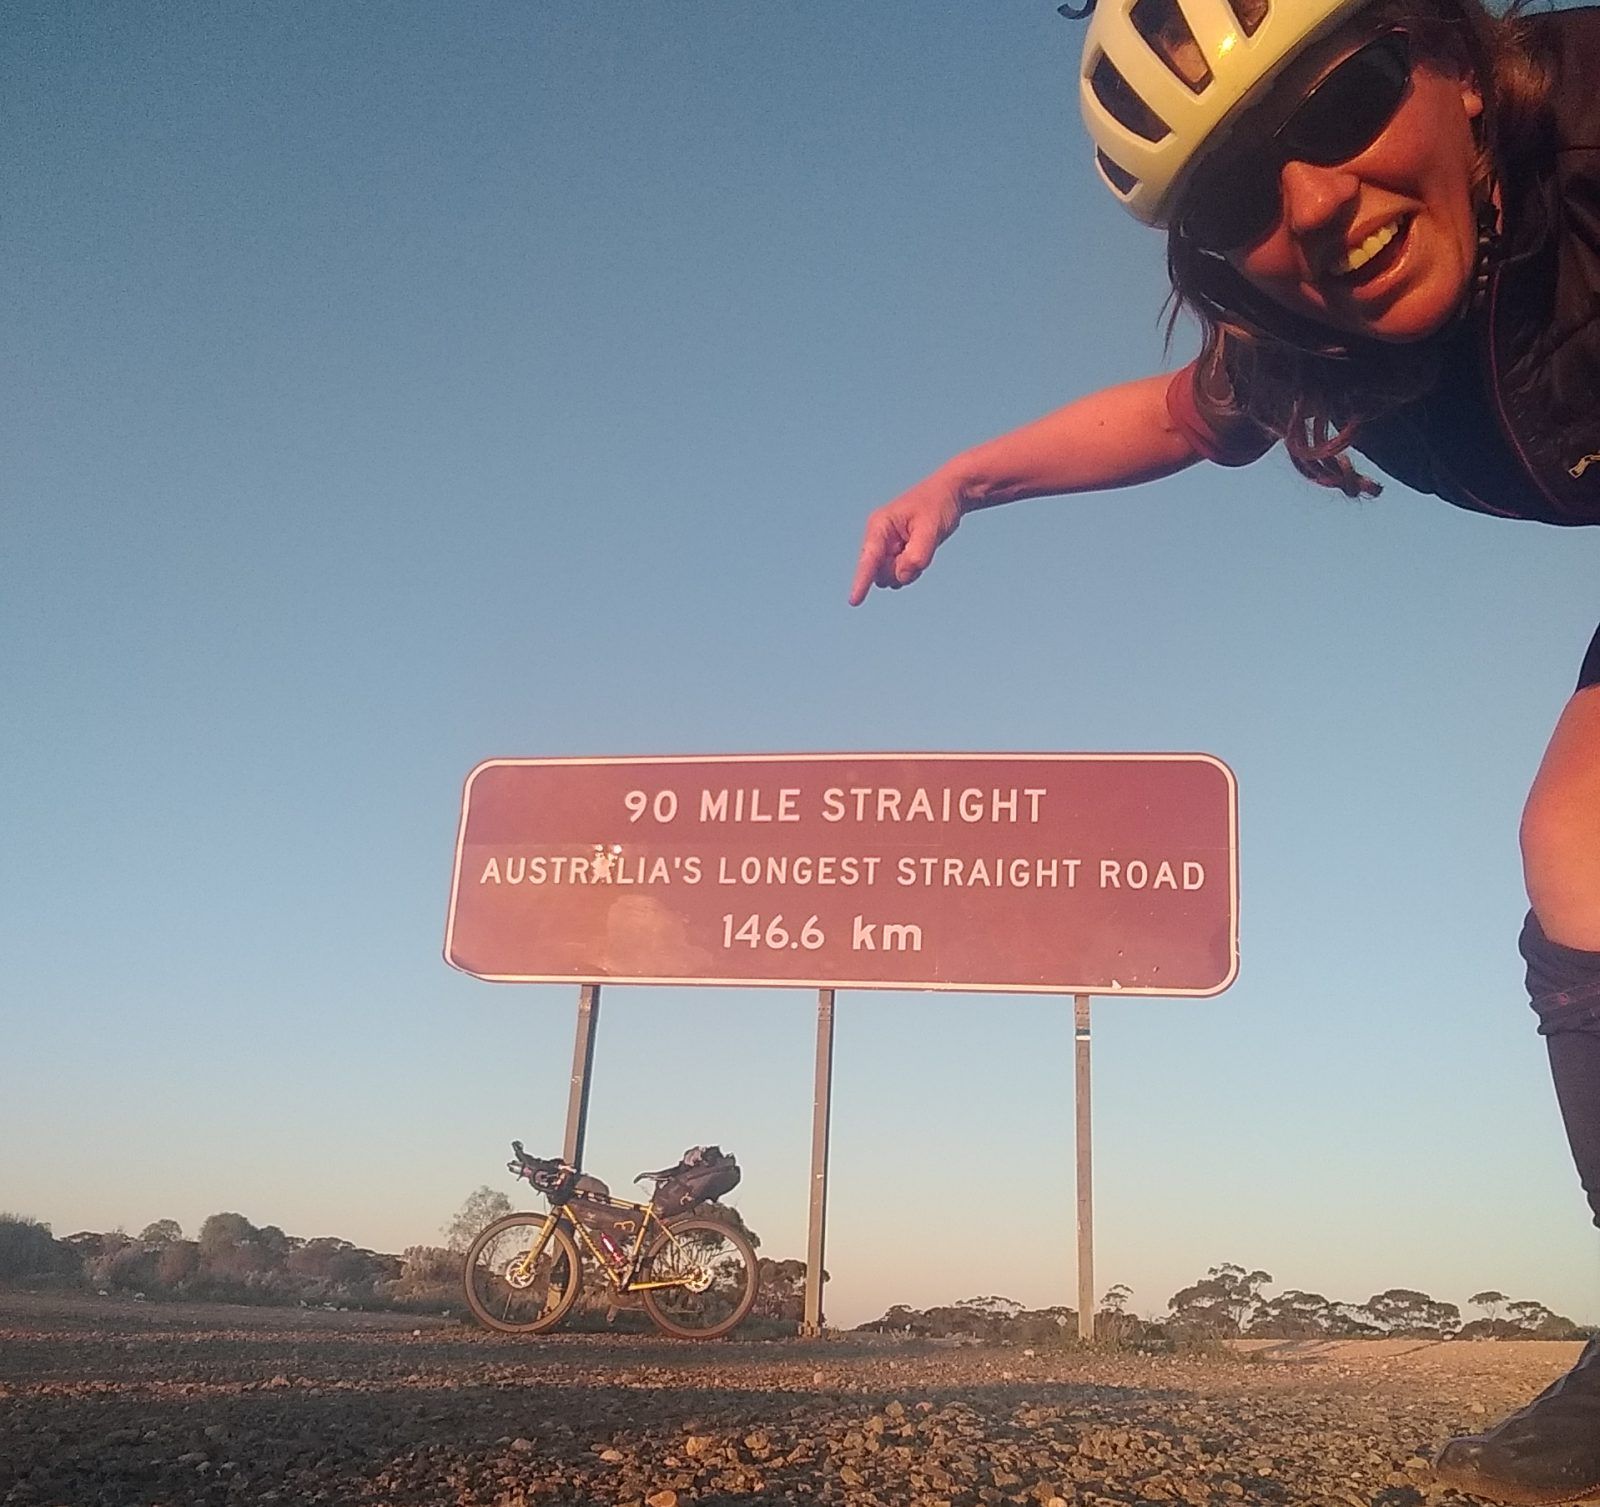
(1011, 873)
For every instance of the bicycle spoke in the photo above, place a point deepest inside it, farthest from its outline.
(509, 1287)
(711, 1275)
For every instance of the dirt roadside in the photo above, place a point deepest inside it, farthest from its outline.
(109, 1403)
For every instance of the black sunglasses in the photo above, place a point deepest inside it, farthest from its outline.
(1234, 198)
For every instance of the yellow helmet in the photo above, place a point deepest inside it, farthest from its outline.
(1160, 79)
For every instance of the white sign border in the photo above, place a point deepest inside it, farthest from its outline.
(1102, 991)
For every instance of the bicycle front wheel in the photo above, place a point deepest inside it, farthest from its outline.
(522, 1274)
(711, 1275)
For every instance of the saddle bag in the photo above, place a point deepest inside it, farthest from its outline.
(705, 1173)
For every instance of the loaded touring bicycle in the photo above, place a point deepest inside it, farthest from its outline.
(695, 1274)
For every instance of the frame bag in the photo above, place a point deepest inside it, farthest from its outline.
(590, 1201)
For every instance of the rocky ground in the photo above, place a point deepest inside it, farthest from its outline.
(109, 1402)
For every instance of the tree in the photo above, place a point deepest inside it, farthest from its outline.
(979, 1318)
(1349, 1321)
(125, 1265)
(1536, 1321)
(482, 1208)
(233, 1255)
(993, 1307)
(1294, 1315)
(900, 1319)
(1523, 1320)
(326, 1259)
(782, 1294)
(177, 1264)
(274, 1242)
(1402, 1312)
(1113, 1322)
(1116, 1298)
(1490, 1302)
(223, 1233)
(730, 1215)
(1220, 1303)
(28, 1249)
(161, 1232)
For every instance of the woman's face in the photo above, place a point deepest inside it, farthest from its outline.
(1384, 244)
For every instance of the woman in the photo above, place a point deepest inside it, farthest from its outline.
(1386, 216)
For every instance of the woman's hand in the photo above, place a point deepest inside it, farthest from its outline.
(1113, 438)
(902, 535)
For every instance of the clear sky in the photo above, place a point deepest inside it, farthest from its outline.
(390, 389)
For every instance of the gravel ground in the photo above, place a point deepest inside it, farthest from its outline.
(105, 1403)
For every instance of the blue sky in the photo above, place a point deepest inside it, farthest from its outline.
(390, 390)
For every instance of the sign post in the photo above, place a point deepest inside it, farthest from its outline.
(821, 1117)
(582, 1066)
(1085, 1165)
(1068, 874)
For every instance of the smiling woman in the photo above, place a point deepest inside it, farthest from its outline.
(1385, 216)
(1326, 237)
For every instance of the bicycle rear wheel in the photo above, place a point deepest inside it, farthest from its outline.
(509, 1288)
(713, 1275)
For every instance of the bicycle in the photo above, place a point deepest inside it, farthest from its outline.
(696, 1275)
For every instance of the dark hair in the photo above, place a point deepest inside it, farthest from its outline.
(1291, 376)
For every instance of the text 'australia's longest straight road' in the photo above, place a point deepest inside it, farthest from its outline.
(1059, 873)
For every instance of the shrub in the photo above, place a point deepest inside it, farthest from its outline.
(421, 1265)
(176, 1264)
(124, 1267)
(28, 1249)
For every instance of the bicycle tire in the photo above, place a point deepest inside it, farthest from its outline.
(708, 1251)
(526, 1302)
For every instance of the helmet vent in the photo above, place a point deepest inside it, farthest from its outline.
(1124, 106)
(1167, 33)
(1119, 178)
(1251, 14)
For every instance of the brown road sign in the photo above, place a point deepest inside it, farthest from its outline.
(1044, 873)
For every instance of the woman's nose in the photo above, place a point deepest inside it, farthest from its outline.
(1314, 196)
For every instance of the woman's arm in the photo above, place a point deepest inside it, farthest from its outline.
(1112, 438)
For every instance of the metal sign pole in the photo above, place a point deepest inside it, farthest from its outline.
(582, 1064)
(821, 1111)
(1085, 1171)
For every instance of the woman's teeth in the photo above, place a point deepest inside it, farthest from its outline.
(1358, 256)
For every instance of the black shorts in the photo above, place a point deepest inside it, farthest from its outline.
(1590, 673)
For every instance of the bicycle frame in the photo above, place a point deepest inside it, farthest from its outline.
(619, 1274)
